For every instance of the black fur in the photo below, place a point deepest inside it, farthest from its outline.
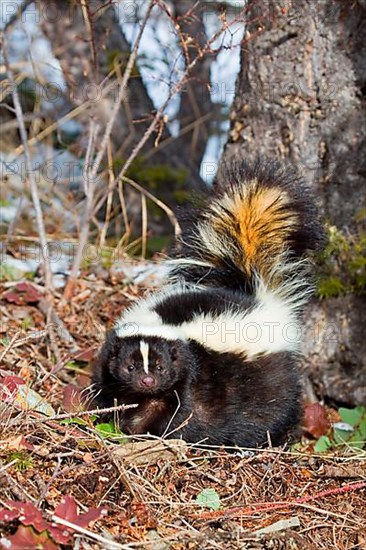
(194, 392)
(220, 398)
(183, 306)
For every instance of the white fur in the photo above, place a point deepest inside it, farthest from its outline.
(144, 348)
(141, 320)
(271, 326)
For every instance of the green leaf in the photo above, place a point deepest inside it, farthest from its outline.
(78, 420)
(110, 431)
(352, 416)
(358, 439)
(209, 498)
(323, 444)
(341, 436)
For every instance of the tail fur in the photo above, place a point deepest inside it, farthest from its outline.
(260, 221)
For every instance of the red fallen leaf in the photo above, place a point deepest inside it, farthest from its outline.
(31, 292)
(68, 510)
(29, 514)
(26, 538)
(14, 297)
(61, 535)
(9, 385)
(316, 422)
(72, 398)
(8, 515)
(23, 293)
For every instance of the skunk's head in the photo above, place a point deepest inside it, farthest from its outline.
(143, 365)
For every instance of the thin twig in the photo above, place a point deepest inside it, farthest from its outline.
(66, 416)
(144, 226)
(13, 222)
(107, 543)
(89, 190)
(104, 230)
(17, 15)
(240, 511)
(174, 415)
(122, 201)
(30, 173)
(36, 335)
(92, 168)
(158, 202)
(9, 346)
(121, 93)
(160, 116)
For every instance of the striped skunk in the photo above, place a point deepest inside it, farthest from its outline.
(213, 356)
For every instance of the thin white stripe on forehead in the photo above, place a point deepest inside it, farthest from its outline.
(144, 348)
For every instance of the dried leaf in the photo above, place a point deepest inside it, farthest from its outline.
(72, 398)
(23, 293)
(280, 525)
(316, 422)
(149, 452)
(13, 389)
(27, 399)
(68, 510)
(18, 443)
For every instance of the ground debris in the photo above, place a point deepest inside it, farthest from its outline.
(149, 487)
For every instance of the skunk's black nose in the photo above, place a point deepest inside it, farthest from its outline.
(148, 381)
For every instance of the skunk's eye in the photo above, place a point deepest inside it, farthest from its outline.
(159, 368)
(130, 368)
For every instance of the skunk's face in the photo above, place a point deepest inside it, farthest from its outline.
(148, 365)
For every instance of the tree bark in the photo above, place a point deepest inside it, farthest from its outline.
(300, 96)
(196, 108)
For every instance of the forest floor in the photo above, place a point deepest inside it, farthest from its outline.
(68, 482)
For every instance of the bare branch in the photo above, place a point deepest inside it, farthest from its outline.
(175, 89)
(32, 181)
(158, 202)
(92, 168)
(17, 15)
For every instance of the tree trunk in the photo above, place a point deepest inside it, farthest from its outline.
(301, 96)
(196, 108)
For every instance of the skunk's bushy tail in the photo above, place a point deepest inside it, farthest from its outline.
(259, 223)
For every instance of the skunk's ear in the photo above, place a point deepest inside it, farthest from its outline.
(175, 350)
(110, 348)
(111, 336)
(112, 340)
